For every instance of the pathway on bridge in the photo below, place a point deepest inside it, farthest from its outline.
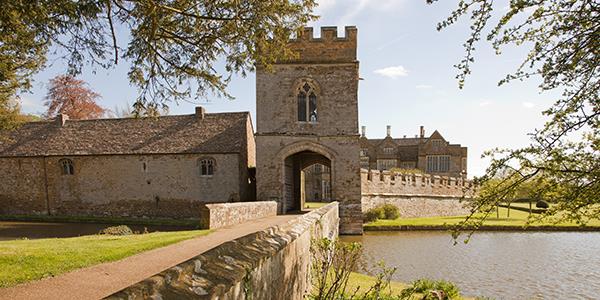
(102, 280)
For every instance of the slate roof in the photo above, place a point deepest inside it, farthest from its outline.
(400, 141)
(216, 133)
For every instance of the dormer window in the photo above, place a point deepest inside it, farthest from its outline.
(67, 166)
(388, 150)
(307, 103)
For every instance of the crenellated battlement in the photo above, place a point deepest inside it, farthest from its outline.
(386, 182)
(328, 34)
(329, 48)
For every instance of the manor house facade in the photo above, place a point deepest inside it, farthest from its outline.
(430, 154)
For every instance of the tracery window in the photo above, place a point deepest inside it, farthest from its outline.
(207, 167)
(307, 103)
(67, 166)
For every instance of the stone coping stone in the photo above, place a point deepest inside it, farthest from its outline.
(223, 269)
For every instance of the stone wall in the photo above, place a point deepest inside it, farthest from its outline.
(270, 264)
(117, 185)
(23, 186)
(225, 214)
(418, 206)
(416, 195)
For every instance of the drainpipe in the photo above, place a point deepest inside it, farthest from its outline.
(46, 186)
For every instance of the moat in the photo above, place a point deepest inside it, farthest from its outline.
(501, 265)
(11, 230)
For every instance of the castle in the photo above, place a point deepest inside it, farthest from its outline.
(170, 166)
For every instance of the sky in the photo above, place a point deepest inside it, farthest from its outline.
(409, 79)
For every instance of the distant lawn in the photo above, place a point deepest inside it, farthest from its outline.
(517, 219)
(315, 204)
(364, 282)
(27, 260)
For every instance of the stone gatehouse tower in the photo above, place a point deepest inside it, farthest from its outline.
(307, 113)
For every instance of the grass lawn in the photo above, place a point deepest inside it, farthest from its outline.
(364, 282)
(27, 260)
(517, 219)
(315, 204)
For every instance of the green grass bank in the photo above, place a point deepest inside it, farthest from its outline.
(27, 260)
(516, 220)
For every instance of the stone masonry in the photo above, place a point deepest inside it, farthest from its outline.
(286, 143)
(416, 195)
(219, 215)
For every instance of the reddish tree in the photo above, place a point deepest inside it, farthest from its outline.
(71, 96)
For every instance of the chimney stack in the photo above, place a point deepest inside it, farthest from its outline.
(389, 130)
(200, 111)
(61, 119)
(422, 131)
(363, 131)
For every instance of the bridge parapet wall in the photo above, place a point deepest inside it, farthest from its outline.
(218, 215)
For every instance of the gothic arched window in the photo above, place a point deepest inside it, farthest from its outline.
(307, 103)
(207, 167)
(67, 166)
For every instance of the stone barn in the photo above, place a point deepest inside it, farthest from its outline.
(307, 113)
(157, 167)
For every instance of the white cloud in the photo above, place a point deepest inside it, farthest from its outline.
(393, 72)
(485, 103)
(528, 105)
(423, 86)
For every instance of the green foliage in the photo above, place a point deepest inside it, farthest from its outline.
(406, 171)
(431, 290)
(334, 262)
(374, 214)
(117, 230)
(384, 212)
(390, 211)
(172, 45)
(562, 163)
(542, 204)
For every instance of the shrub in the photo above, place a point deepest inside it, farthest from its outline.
(431, 290)
(542, 204)
(390, 211)
(374, 214)
(117, 230)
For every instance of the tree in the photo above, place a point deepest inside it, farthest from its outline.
(563, 160)
(70, 96)
(173, 46)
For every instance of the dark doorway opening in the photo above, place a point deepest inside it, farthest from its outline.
(296, 166)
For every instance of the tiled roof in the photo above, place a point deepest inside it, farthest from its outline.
(215, 133)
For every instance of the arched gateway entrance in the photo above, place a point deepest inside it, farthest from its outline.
(295, 181)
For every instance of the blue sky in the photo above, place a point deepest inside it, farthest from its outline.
(408, 72)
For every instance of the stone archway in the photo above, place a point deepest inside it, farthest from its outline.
(294, 180)
(294, 158)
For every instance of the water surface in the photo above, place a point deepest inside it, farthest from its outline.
(36, 230)
(502, 265)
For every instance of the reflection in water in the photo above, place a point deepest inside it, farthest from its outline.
(502, 265)
(37, 230)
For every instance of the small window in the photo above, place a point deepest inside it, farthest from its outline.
(67, 166)
(207, 167)
(388, 150)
